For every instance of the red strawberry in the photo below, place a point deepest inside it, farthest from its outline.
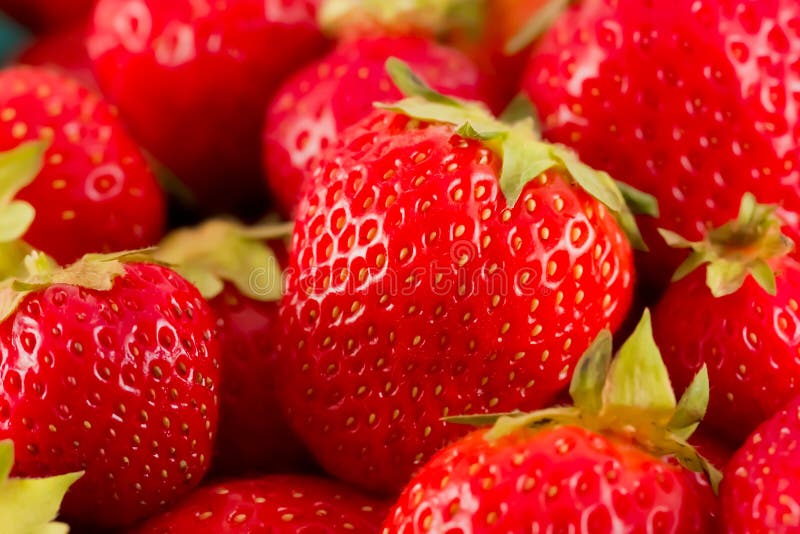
(693, 101)
(193, 81)
(64, 49)
(595, 467)
(241, 277)
(743, 328)
(430, 275)
(45, 15)
(110, 368)
(95, 192)
(273, 504)
(760, 491)
(319, 101)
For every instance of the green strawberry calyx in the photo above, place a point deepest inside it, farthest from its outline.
(220, 251)
(344, 18)
(629, 396)
(524, 155)
(30, 505)
(739, 248)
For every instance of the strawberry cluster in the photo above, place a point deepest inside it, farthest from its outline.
(300, 266)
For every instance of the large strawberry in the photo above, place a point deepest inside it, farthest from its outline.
(443, 262)
(596, 467)
(193, 81)
(737, 317)
(322, 99)
(240, 275)
(272, 504)
(45, 15)
(95, 192)
(693, 101)
(761, 491)
(109, 366)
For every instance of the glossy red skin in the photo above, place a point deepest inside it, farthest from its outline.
(64, 49)
(96, 192)
(369, 377)
(760, 490)
(93, 381)
(253, 433)
(46, 15)
(200, 110)
(319, 101)
(692, 101)
(289, 504)
(567, 479)
(749, 340)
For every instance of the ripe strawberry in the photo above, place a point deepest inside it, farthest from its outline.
(443, 262)
(64, 49)
(111, 368)
(46, 15)
(595, 467)
(319, 101)
(273, 504)
(241, 278)
(743, 328)
(95, 192)
(193, 81)
(693, 101)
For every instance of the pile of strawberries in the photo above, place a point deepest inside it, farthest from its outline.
(332, 266)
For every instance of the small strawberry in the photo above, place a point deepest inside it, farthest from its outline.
(760, 492)
(443, 262)
(319, 101)
(193, 80)
(46, 15)
(289, 504)
(240, 275)
(109, 366)
(64, 49)
(692, 101)
(95, 192)
(738, 315)
(596, 467)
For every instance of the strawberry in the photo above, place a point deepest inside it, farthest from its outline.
(109, 366)
(301, 122)
(64, 49)
(274, 504)
(442, 262)
(693, 101)
(46, 15)
(240, 276)
(760, 491)
(594, 467)
(741, 320)
(95, 187)
(193, 81)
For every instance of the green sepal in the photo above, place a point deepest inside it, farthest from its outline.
(18, 168)
(639, 202)
(740, 248)
(692, 406)
(524, 155)
(220, 251)
(536, 26)
(588, 380)
(520, 109)
(30, 505)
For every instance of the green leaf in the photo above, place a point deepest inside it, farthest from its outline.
(508, 424)
(15, 219)
(639, 202)
(19, 167)
(674, 240)
(724, 277)
(589, 378)
(412, 85)
(477, 420)
(638, 381)
(692, 406)
(536, 25)
(695, 260)
(520, 165)
(763, 274)
(28, 506)
(521, 109)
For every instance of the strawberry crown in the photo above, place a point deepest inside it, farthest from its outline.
(740, 248)
(524, 155)
(30, 505)
(630, 396)
(220, 251)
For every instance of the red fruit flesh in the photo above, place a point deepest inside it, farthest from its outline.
(46, 15)
(760, 490)
(692, 101)
(271, 505)
(747, 339)
(64, 49)
(193, 81)
(121, 384)
(318, 102)
(414, 292)
(95, 193)
(562, 480)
